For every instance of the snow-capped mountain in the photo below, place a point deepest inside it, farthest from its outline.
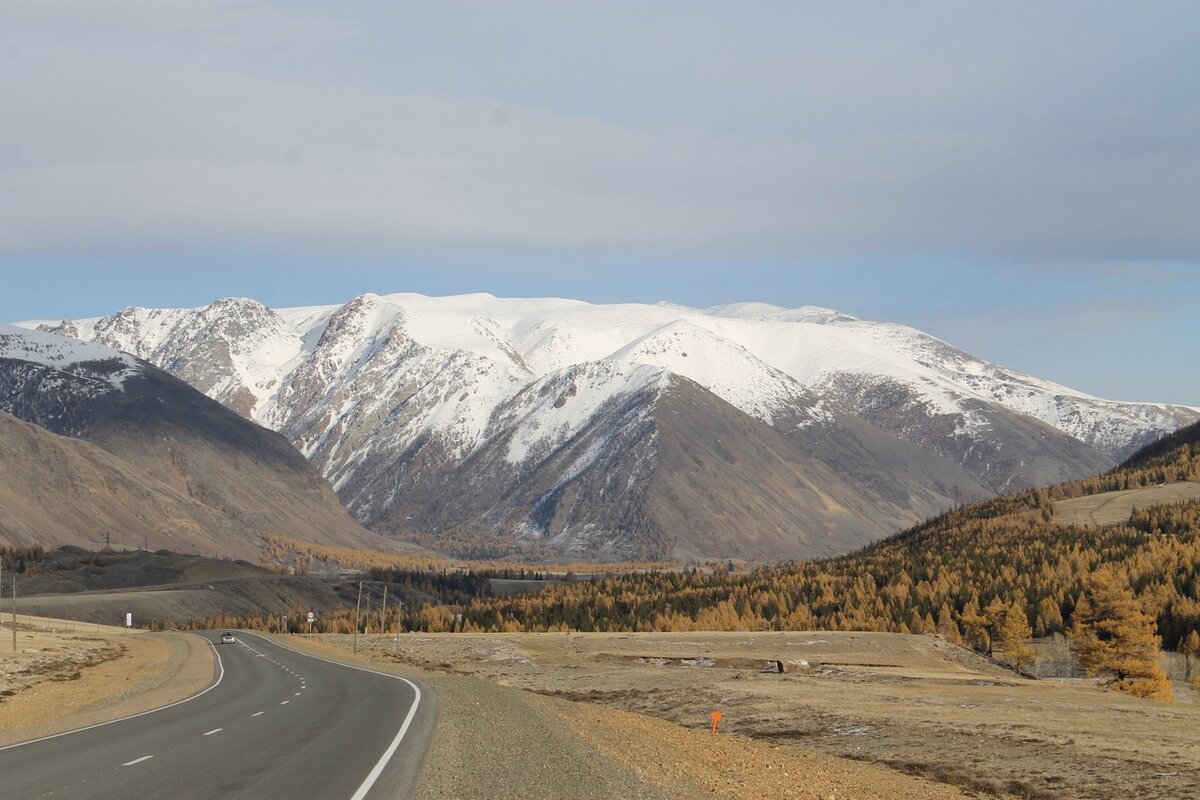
(97, 443)
(544, 422)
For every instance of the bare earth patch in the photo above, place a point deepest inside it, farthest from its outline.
(65, 675)
(698, 763)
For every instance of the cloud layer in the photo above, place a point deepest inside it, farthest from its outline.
(1020, 130)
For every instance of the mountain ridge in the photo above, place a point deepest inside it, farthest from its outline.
(392, 395)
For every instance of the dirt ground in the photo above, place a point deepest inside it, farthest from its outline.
(1114, 508)
(494, 740)
(66, 674)
(913, 703)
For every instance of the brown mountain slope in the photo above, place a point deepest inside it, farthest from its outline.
(60, 490)
(66, 491)
(728, 483)
(169, 467)
(671, 474)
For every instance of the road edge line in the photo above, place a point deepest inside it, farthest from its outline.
(377, 770)
(206, 690)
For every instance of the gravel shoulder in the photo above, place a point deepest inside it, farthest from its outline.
(64, 675)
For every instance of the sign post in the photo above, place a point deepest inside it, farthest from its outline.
(14, 583)
(311, 617)
(128, 620)
(357, 606)
(716, 717)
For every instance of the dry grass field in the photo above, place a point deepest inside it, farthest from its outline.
(65, 674)
(914, 703)
(1114, 508)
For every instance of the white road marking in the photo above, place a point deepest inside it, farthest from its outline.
(214, 730)
(258, 713)
(297, 694)
(285, 702)
(209, 688)
(136, 761)
(377, 770)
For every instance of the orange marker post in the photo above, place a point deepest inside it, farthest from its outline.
(716, 717)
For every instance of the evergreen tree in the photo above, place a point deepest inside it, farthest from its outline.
(1013, 632)
(947, 627)
(1115, 638)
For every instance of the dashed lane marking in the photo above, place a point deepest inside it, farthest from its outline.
(258, 713)
(137, 761)
(214, 730)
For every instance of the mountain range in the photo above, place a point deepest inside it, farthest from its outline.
(487, 426)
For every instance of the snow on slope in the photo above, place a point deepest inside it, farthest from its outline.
(763, 359)
(48, 350)
(556, 407)
(366, 383)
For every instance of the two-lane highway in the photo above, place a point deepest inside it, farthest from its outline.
(276, 723)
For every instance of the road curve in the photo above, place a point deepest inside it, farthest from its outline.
(276, 723)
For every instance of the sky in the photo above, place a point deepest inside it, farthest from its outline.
(1021, 179)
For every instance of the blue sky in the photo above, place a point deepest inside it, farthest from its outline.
(1020, 179)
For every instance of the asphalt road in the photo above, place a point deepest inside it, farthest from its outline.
(276, 724)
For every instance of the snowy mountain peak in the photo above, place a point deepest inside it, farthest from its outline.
(104, 364)
(765, 312)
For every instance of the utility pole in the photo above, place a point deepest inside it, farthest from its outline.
(399, 614)
(367, 618)
(383, 614)
(14, 612)
(357, 606)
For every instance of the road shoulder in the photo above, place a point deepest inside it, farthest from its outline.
(494, 741)
(61, 678)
